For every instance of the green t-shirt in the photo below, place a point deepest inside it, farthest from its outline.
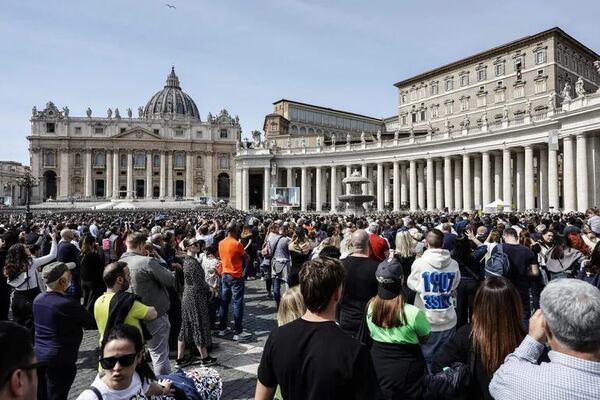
(416, 326)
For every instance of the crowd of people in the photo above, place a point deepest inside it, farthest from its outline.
(381, 306)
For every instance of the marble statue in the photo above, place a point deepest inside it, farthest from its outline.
(484, 119)
(140, 112)
(447, 125)
(396, 134)
(109, 113)
(210, 118)
(362, 137)
(411, 130)
(580, 88)
(289, 142)
(256, 139)
(319, 141)
(88, 112)
(379, 135)
(303, 142)
(66, 111)
(552, 100)
(34, 111)
(333, 139)
(528, 108)
(505, 113)
(566, 92)
(129, 113)
(348, 138)
(466, 121)
(237, 120)
(117, 113)
(429, 127)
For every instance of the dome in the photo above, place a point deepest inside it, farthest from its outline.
(171, 100)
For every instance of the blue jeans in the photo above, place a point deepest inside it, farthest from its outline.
(434, 344)
(232, 288)
(277, 283)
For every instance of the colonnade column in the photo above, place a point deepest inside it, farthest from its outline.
(380, 187)
(466, 173)
(245, 189)
(386, 185)
(364, 173)
(303, 189)
(109, 175)
(149, 188)
(163, 177)
(116, 174)
(403, 188)
(430, 185)
(449, 200)
(477, 202)
(289, 174)
(318, 188)
(439, 184)
(568, 175)
(520, 182)
(170, 177)
(485, 178)
(396, 186)
(130, 174)
(333, 189)
(553, 179)
(267, 188)
(348, 174)
(421, 184)
(189, 175)
(498, 193)
(543, 180)
(458, 200)
(412, 192)
(529, 179)
(506, 173)
(582, 174)
(88, 173)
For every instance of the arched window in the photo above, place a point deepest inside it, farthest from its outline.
(77, 159)
(99, 159)
(179, 160)
(223, 161)
(123, 161)
(156, 161)
(50, 159)
(139, 160)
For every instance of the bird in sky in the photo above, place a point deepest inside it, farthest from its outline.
(170, 6)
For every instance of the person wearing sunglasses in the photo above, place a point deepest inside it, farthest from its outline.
(125, 373)
(18, 366)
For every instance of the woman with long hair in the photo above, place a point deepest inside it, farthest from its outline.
(563, 261)
(396, 330)
(575, 241)
(300, 248)
(21, 270)
(195, 320)
(91, 266)
(405, 254)
(495, 331)
(125, 374)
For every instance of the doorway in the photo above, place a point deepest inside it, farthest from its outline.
(179, 188)
(140, 186)
(99, 188)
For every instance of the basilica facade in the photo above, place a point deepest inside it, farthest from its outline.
(518, 123)
(166, 151)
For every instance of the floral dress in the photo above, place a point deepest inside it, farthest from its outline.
(195, 324)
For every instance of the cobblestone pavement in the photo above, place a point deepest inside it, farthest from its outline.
(237, 362)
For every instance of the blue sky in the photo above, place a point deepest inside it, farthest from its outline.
(244, 54)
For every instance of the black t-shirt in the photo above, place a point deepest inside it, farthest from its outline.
(317, 360)
(520, 258)
(360, 287)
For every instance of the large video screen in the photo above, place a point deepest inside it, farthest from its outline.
(285, 197)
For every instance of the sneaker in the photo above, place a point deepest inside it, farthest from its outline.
(205, 362)
(225, 332)
(242, 336)
(262, 278)
(182, 362)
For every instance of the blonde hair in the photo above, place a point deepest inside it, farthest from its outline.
(291, 306)
(405, 244)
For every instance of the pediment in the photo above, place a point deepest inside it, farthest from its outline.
(137, 133)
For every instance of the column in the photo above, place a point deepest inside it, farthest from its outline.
(413, 185)
(458, 200)
(582, 174)
(116, 174)
(88, 173)
(380, 187)
(163, 177)
(520, 181)
(289, 177)
(333, 189)
(208, 172)
(477, 202)
(363, 172)
(439, 184)
(129, 175)
(568, 175)
(267, 188)
(371, 175)
(543, 180)
(448, 199)
(65, 176)
(245, 189)
(319, 189)
(109, 175)
(485, 178)
(348, 174)
(421, 184)
(498, 193)
(430, 176)
(170, 182)
(553, 197)
(529, 179)
(403, 187)
(396, 186)
(149, 188)
(466, 174)
(303, 189)
(507, 175)
(189, 175)
(386, 185)
(239, 203)
(309, 190)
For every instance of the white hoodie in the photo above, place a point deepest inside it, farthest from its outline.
(434, 276)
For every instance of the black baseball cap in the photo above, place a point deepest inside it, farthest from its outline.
(389, 277)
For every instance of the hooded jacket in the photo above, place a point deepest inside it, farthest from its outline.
(434, 276)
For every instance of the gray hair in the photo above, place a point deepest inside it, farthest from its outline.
(572, 310)
(374, 228)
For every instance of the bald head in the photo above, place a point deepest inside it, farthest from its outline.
(360, 241)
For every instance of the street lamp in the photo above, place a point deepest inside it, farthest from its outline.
(28, 182)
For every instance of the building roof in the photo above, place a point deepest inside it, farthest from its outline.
(171, 100)
(379, 120)
(498, 49)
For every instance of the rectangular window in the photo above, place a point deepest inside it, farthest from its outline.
(121, 130)
(223, 133)
(540, 57)
(403, 98)
(540, 86)
(78, 130)
(434, 112)
(434, 88)
(449, 85)
(519, 63)
(481, 101)
(50, 127)
(199, 134)
(499, 68)
(422, 92)
(413, 94)
(449, 108)
(423, 117)
(464, 105)
(499, 96)
(156, 131)
(519, 92)
(178, 132)
(403, 119)
(414, 117)
(98, 130)
(481, 75)
(464, 80)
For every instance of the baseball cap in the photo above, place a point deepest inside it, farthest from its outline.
(389, 277)
(54, 271)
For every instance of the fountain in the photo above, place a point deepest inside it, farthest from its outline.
(355, 198)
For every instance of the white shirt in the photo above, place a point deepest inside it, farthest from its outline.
(135, 391)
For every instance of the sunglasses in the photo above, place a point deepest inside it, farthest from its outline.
(125, 361)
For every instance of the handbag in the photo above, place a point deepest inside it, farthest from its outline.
(279, 266)
(451, 382)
